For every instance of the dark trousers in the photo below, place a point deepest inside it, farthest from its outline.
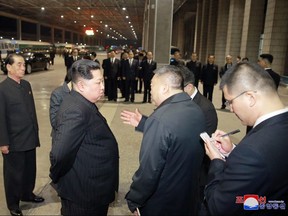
(19, 171)
(223, 100)
(139, 83)
(112, 88)
(208, 91)
(147, 90)
(130, 85)
(70, 208)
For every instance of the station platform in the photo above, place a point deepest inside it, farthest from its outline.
(43, 83)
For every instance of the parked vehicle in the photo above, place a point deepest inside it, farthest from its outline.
(33, 61)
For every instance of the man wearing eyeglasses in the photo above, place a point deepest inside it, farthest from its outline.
(257, 164)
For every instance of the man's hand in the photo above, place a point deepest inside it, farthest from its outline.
(4, 149)
(224, 144)
(131, 118)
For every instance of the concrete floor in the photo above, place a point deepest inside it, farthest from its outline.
(43, 82)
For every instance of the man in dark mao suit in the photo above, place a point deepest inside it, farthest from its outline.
(257, 165)
(18, 135)
(209, 77)
(84, 156)
(171, 154)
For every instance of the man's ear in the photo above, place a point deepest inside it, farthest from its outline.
(80, 85)
(252, 98)
(8, 67)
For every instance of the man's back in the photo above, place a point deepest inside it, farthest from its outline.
(170, 159)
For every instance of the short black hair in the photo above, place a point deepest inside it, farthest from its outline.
(247, 76)
(94, 54)
(268, 57)
(188, 75)
(82, 68)
(173, 74)
(10, 58)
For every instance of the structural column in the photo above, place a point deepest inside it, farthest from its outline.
(178, 31)
(212, 23)
(252, 29)
(19, 29)
(276, 34)
(198, 21)
(38, 31)
(52, 35)
(151, 25)
(203, 30)
(235, 24)
(221, 30)
(163, 31)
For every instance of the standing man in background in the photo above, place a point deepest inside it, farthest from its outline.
(147, 71)
(265, 62)
(195, 67)
(19, 136)
(223, 69)
(70, 60)
(112, 74)
(209, 77)
(130, 75)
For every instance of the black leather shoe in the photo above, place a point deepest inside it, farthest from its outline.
(36, 199)
(16, 212)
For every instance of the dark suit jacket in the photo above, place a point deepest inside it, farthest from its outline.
(84, 156)
(276, 77)
(166, 182)
(70, 60)
(211, 122)
(111, 71)
(195, 67)
(257, 165)
(18, 120)
(209, 74)
(147, 69)
(130, 72)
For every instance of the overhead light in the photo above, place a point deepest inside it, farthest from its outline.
(110, 28)
(84, 25)
(92, 16)
(127, 17)
(75, 21)
(106, 25)
(42, 8)
(78, 8)
(62, 16)
(129, 22)
(123, 8)
(100, 21)
(131, 26)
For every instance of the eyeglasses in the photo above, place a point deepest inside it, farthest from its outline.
(229, 102)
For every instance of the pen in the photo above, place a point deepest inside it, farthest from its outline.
(230, 133)
(138, 212)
